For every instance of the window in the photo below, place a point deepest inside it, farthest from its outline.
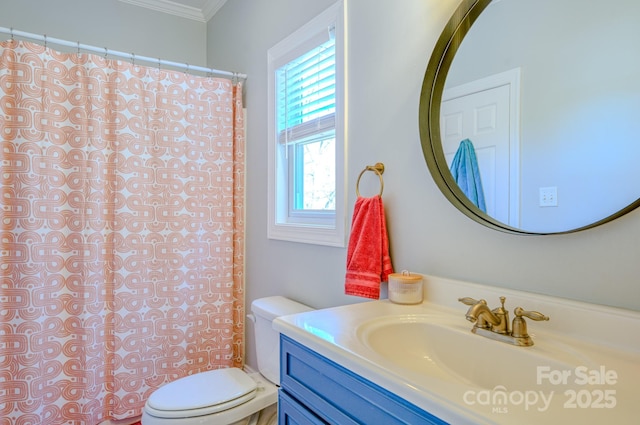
(306, 136)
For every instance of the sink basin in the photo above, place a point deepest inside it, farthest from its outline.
(441, 348)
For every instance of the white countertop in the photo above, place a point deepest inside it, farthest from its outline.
(333, 333)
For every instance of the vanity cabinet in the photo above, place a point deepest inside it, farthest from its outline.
(316, 390)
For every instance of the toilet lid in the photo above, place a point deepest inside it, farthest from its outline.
(225, 388)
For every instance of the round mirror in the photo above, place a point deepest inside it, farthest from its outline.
(529, 113)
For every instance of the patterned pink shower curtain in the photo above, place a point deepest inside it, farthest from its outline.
(121, 211)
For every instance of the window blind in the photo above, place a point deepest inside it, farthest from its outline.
(306, 94)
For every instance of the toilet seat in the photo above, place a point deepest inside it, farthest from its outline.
(202, 394)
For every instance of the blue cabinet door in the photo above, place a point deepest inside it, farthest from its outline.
(338, 396)
(290, 412)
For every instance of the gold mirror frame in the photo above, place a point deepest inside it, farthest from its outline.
(429, 122)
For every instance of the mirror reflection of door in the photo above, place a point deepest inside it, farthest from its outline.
(482, 112)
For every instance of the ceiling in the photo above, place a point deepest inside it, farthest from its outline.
(198, 10)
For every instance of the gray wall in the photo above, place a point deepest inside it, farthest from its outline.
(110, 23)
(390, 43)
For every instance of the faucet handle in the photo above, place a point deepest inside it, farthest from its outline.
(471, 301)
(533, 315)
(519, 326)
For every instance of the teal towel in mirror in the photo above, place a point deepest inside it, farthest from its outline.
(464, 169)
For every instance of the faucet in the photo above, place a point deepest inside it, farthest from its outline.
(494, 323)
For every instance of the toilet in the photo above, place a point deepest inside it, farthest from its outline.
(229, 396)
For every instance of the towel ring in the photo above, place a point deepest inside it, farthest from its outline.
(378, 169)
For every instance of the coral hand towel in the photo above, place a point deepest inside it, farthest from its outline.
(368, 260)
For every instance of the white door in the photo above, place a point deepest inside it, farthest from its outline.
(483, 115)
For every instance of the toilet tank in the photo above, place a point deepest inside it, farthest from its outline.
(267, 339)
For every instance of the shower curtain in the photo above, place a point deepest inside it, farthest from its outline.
(121, 244)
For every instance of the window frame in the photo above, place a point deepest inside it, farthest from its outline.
(313, 226)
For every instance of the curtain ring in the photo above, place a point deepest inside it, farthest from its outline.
(378, 169)
(78, 48)
(11, 31)
(45, 41)
(106, 52)
(133, 59)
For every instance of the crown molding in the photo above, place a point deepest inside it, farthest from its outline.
(209, 8)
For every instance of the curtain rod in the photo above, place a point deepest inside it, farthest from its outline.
(130, 56)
